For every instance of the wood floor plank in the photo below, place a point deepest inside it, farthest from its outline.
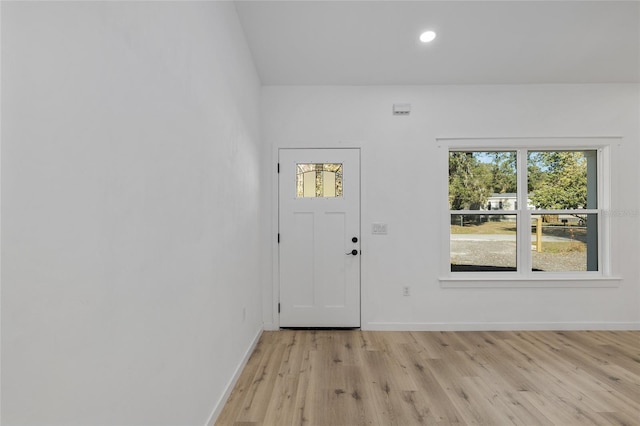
(438, 397)
(259, 394)
(395, 388)
(352, 378)
(561, 386)
(627, 341)
(305, 392)
(511, 403)
(593, 372)
(467, 402)
(386, 390)
(607, 351)
(234, 404)
(282, 405)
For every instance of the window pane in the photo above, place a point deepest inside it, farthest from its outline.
(483, 242)
(482, 180)
(562, 180)
(564, 242)
(319, 180)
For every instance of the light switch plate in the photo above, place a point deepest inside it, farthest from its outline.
(379, 228)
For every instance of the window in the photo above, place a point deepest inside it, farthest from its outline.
(525, 211)
(319, 180)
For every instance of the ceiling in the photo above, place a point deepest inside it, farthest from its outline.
(478, 42)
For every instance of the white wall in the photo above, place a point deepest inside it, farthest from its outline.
(130, 211)
(403, 169)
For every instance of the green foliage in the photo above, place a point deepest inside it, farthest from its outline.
(474, 176)
(559, 179)
(534, 176)
(503, 172)
(468, 187)
(555, 179)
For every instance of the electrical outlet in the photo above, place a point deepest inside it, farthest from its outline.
(406, 291)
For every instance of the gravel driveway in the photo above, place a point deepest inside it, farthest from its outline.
(501, 255)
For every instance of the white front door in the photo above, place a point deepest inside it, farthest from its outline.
(319, 234)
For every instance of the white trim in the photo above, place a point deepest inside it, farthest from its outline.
(1, 328)
(548, 280)
(604, 206)
(501, 142)
(234, 379)
(275, 246)
(499, 326)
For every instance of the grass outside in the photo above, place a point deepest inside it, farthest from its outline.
(492, 228)
(562, 247)
(576, 234)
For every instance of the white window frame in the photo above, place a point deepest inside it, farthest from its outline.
(524, 276)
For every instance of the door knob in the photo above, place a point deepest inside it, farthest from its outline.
(353, 252)
(354, 239)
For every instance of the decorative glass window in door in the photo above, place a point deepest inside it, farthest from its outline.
(319, 180)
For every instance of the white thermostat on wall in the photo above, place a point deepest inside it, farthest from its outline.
(401, 109)
(379, 228)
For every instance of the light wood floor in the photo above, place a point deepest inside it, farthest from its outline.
(336, 378)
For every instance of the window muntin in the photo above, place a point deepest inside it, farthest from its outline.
(318, 180)
(559, 188)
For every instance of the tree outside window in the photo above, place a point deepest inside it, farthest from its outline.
(559, 202)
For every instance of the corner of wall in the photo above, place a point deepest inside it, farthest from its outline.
(219, 406)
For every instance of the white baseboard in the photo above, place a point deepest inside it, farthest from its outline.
(232, 382)
(499, 326)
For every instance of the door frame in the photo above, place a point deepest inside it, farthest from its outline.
(274, 324)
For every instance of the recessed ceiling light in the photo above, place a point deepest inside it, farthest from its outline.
(427, 36)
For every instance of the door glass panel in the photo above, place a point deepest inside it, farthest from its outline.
(318, 180)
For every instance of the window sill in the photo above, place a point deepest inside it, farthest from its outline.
(546, 281)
